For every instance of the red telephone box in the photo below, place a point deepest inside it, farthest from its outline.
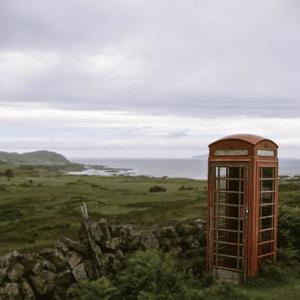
(242, 206)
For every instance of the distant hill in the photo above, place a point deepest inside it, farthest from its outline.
(33, 158)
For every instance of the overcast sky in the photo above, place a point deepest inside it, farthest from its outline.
(147, 78)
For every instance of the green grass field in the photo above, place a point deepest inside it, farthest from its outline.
(37, 210)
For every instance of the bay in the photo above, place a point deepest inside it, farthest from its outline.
(174, 168)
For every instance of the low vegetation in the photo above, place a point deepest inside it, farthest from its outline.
(40, 205)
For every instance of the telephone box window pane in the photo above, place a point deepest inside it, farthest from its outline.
(266, 236)
(232, 224)
(266, 198)
(233, 198)
(234, 172)
(265, 248)
(267, 172)
(268, 258)
(234, 185)
(233, 211)
(222, 198)
(227, 236)
(241, 199)
(267, 185)
(227, 262)
(266, 211)
(223, 171)
(241, 224)
(222, 184)
(266, 223)
(226, 249)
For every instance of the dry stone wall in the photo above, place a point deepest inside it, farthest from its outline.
(52, 272)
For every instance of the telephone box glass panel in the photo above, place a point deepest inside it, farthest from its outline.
(228, 225)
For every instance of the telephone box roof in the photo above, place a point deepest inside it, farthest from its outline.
(248, 138)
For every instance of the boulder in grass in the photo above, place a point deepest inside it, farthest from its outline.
(79, 272)
(44, 283)
(3, 274)
(64, 278)
(74, 259)
(26, 290)
(15, 272)
(157, 189)
(12, 291)
(55, 256)
(73, 245)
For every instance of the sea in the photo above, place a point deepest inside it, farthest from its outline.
(174, 168)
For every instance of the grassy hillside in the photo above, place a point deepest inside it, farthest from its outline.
(34, 158)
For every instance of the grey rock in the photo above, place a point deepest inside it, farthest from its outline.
(189, 242)
(115, 230)
(61, 246)
(44, 283)
(10, 258)
(128, 233)
(28, 260)
(131, 245)
(26, 290)
(90, 268)
(79, 272)
(3, 274)
(148, 240)
(37, 268)
(73, 245)
(190, 229)
(96, 232)
(47, 265)
(179, 227)
(55, 256)
(73, 258)
(2, 293)
(113, 244)
(12, 291)
(64, 278)
(168, 231)
(15, 272)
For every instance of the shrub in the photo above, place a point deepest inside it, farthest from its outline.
(185, 188)
(93, 290)
(154, 275)
(289, 227)
(224, 291)
(157, 189)
(273, 272)
(9, 174)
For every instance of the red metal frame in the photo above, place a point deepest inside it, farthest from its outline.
(236, 151)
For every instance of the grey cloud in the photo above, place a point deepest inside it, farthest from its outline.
(206, 58)
(176, 134)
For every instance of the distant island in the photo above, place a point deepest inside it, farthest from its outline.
(42, 157)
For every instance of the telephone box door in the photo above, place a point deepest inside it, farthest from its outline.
(229, 220)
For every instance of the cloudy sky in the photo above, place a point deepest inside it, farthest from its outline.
(147, 78)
